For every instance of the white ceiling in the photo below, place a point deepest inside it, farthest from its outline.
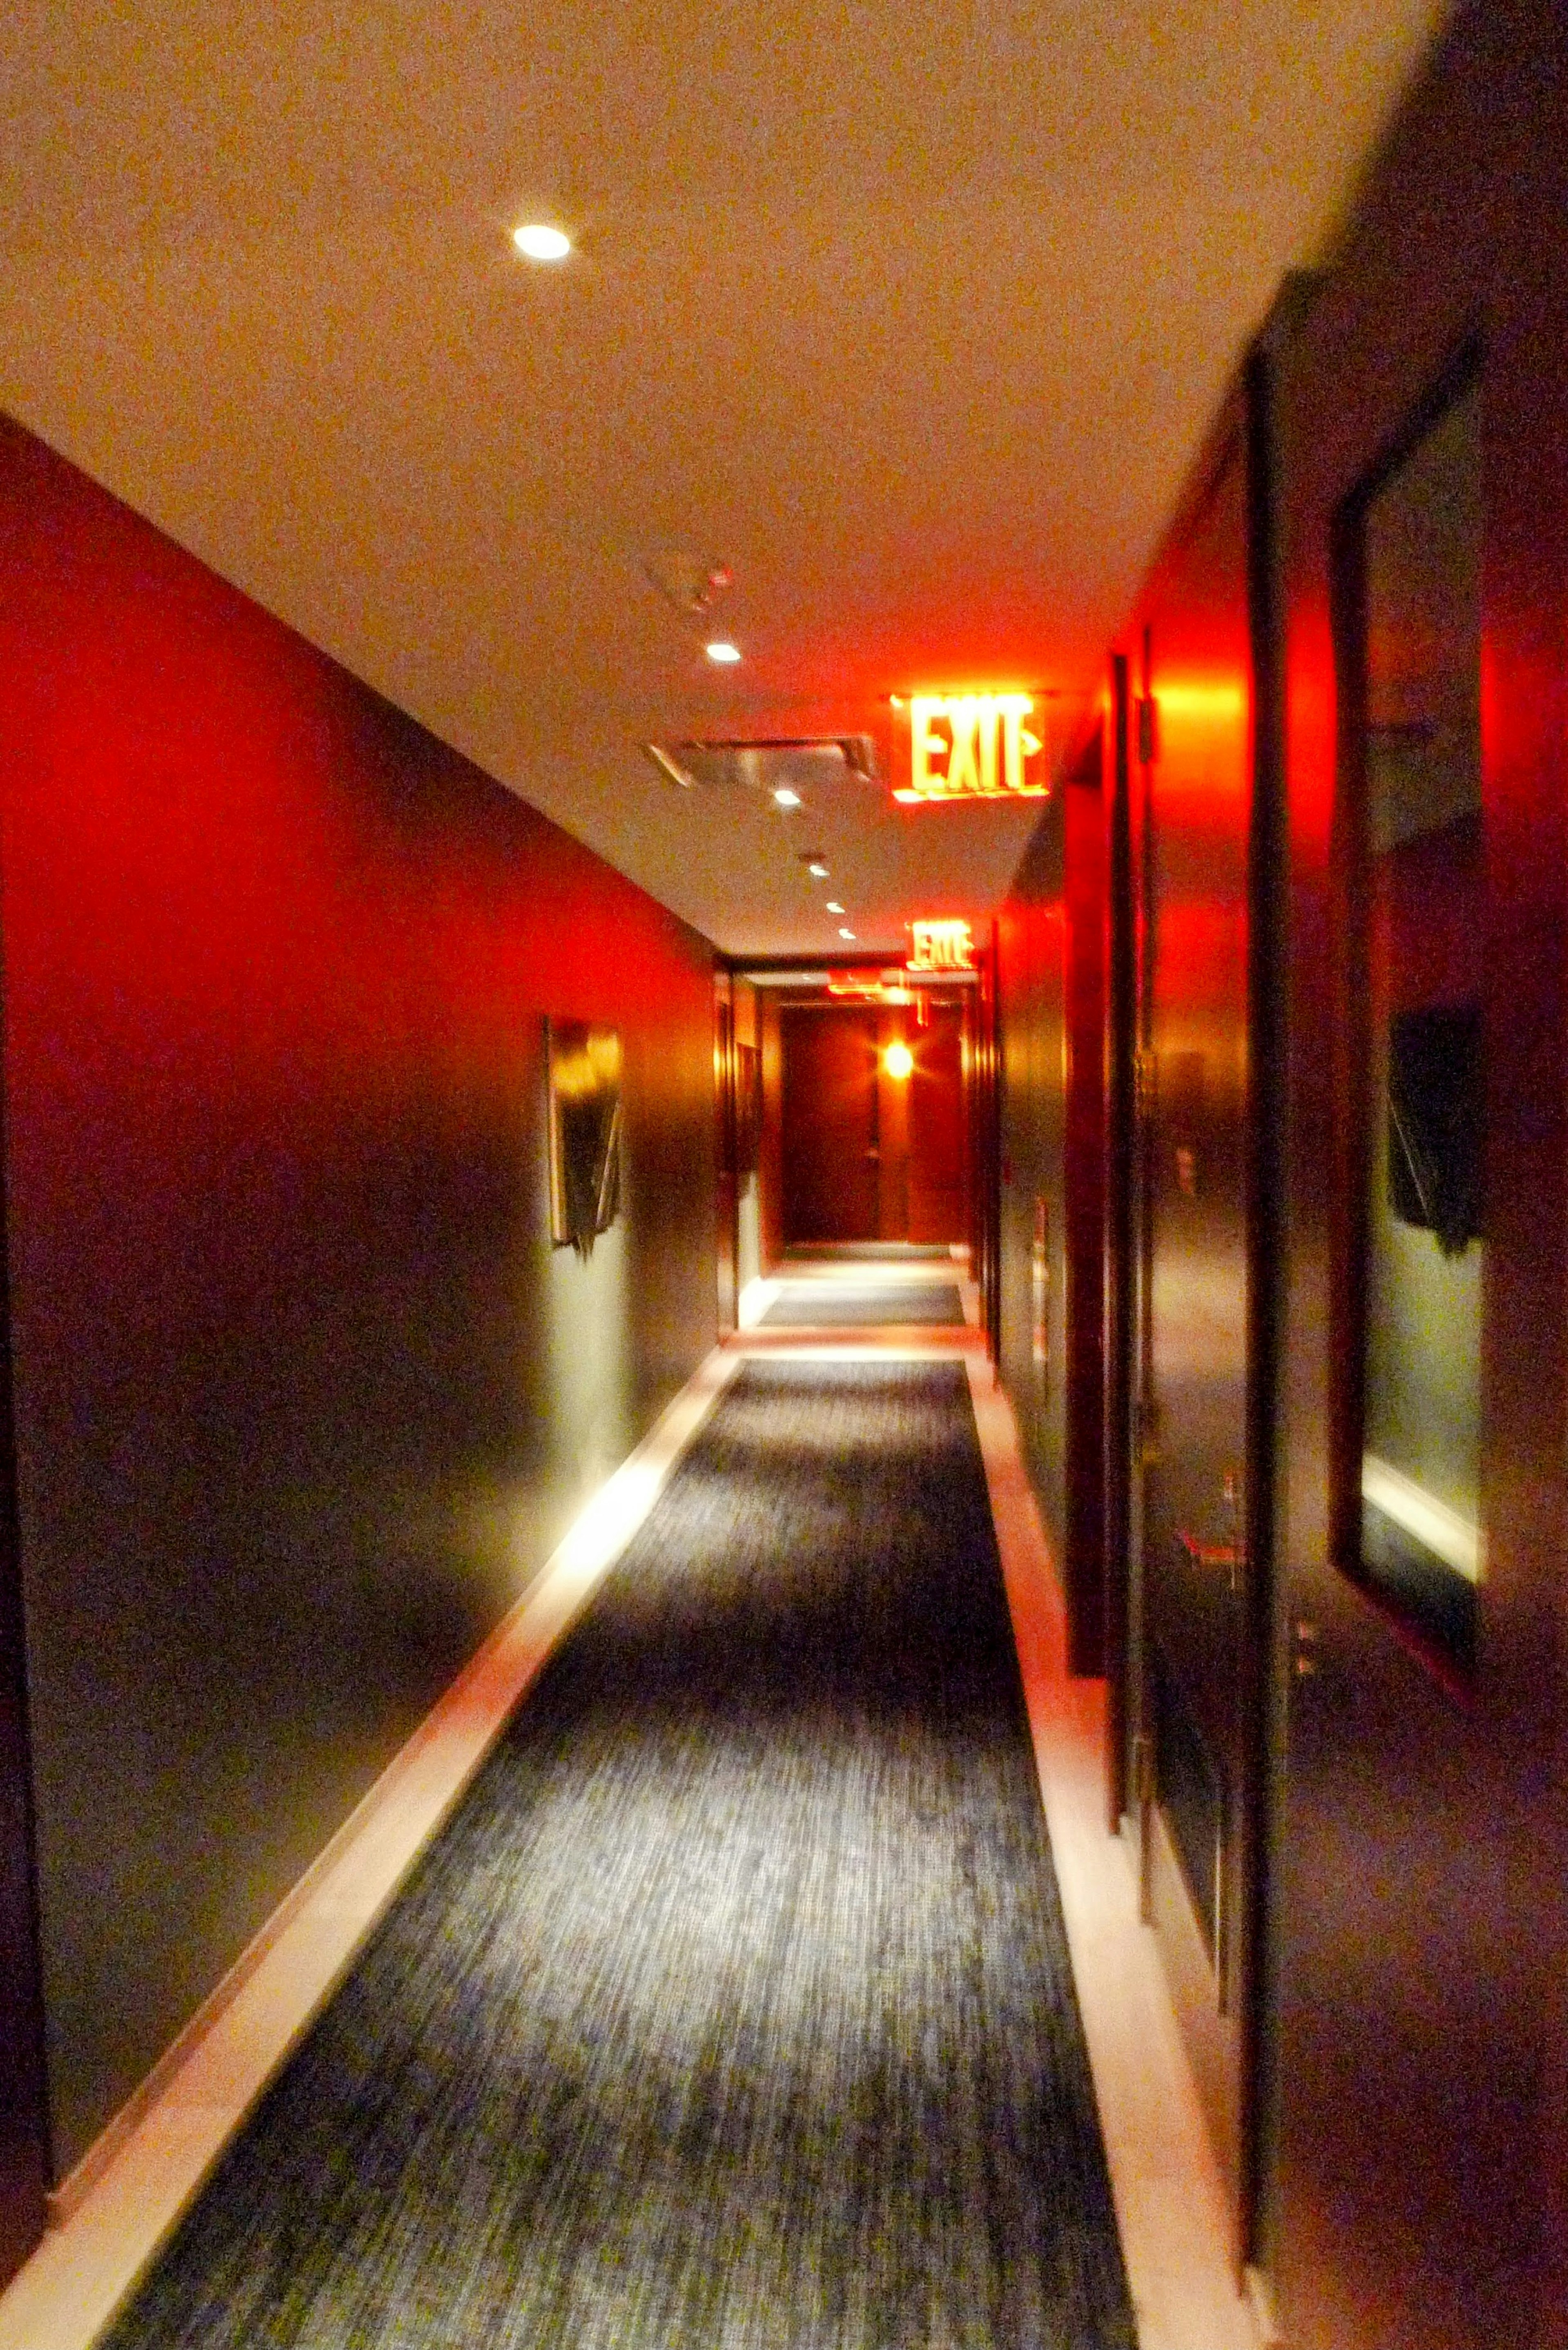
(912, 314)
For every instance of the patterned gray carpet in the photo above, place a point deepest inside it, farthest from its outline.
(732, 2010)
(841, 1305)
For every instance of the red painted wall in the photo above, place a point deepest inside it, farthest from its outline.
(303, 1395)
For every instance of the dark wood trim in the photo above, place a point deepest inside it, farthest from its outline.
(1266, 1176)
(727, 1177)
(1349, 1014)
(26, 2164)
(1121, 1139)
(990, 1133)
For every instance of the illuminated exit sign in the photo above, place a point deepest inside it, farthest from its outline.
(940, 946)
(974, 746)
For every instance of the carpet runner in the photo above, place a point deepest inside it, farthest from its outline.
(731, 2009)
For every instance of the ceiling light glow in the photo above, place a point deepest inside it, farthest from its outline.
(834, 907)
(723, 651)
(785, 798)
(844, 933)
(817, 868)
(539, 242)
(899, 1061)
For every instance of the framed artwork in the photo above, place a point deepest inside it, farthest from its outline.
(585, 1131)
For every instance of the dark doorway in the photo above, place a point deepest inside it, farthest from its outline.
(831, 1129)
(875, 1123)
(938, 1128)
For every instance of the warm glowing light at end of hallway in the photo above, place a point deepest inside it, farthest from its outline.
(537, 242)
(898, 1060)
(965, 746)
(723, 651)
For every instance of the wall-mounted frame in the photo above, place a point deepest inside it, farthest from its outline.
(585, 1075)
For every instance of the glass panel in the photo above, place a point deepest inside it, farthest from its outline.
(1421, 1479)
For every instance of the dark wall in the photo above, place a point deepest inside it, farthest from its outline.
(1050, 987)
(303, 1395)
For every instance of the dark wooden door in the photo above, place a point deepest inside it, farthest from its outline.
(938, 1132)
(727, 1150)
(1196, 790)
(24, 2172)
(1405, 2075)
(1422, 2201)
(830, 1152)
(24, 2147)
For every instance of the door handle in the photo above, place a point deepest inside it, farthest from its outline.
(872, 1154)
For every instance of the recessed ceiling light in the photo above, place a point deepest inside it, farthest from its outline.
(817, 868)
(723, 651)
(540, 243)
(844, 933)
(785, 798)
(834, 907)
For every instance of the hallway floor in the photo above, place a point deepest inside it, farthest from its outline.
(838, 2262)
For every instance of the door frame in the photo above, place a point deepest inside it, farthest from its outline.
(1121, 1270)
(27, 2170)
(1247, 424)
(726, 1155)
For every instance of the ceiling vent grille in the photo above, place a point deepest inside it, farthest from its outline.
(805, 765)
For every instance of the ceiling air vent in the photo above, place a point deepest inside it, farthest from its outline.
(804, 766)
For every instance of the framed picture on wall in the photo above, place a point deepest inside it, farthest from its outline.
(584, 1065)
